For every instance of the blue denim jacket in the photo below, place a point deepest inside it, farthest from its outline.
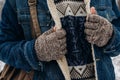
(17, 45)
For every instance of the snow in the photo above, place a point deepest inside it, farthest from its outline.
(1, 66)
(116, 62)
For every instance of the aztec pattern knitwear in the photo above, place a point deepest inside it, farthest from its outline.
(79, 57)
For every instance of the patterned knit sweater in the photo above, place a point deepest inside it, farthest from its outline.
(79, 56)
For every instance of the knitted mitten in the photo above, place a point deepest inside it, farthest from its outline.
(51, 45)
(98, 30)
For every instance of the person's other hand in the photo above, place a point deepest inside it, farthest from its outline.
(98, 30)
(51, 45)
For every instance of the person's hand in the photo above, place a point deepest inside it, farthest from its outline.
(98, 30)
(51, 45)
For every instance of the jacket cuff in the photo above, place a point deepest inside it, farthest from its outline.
(31, 57)
(113, 46)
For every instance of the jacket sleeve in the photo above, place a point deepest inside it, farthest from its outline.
(113, 47)
(14, 49)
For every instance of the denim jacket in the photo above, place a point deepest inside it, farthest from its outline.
(17, 45)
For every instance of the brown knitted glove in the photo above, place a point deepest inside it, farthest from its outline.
(51, 45)
(98, 30)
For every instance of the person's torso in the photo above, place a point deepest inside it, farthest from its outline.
(103, 7)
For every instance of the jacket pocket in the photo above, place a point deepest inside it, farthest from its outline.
(104, 8)
(106, 12)
(24, 19)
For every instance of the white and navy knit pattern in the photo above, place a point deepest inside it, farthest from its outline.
(83, 72)
(73, 15)
(70, 7)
